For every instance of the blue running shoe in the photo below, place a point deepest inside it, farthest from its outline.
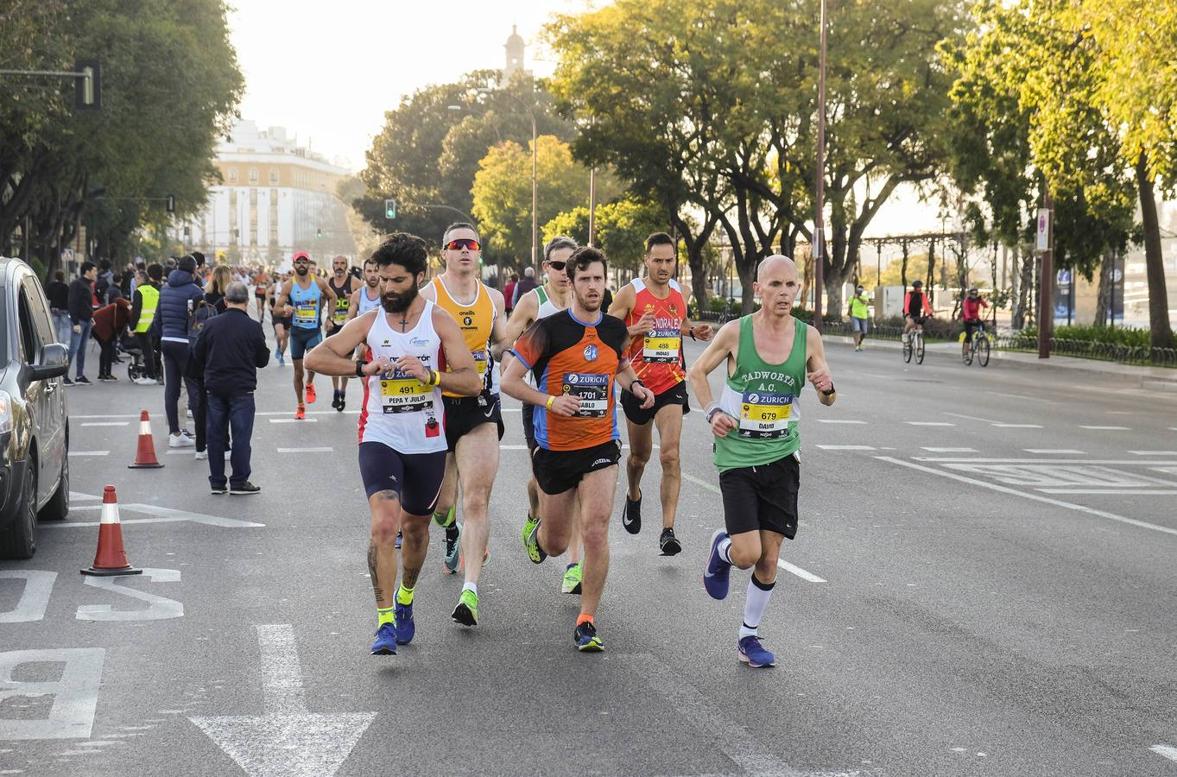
(715, 577)
(385, 644)
(405, 628)
(586, 638)
(753, 653)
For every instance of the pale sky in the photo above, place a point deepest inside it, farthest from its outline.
(327, 71)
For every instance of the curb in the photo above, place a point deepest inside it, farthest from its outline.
(1138, 377)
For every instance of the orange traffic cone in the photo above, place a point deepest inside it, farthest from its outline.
(145, 456)
(110, 558)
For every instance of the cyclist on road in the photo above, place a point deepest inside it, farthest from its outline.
(916, 307)
(970, 314)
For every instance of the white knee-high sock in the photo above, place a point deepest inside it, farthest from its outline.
(724, 549)
(754, 605)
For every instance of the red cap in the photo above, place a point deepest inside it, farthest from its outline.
(108, 496)
(301, 255)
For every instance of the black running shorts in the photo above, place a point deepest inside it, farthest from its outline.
(762, 497)
(675, 395)
(462, 414)
(415, 477)
(528, 413)
(560, 471)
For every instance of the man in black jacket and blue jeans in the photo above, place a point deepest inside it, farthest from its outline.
(229, 350)
(81, 317)
(177, 299)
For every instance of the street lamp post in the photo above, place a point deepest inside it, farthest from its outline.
(819, 247)
(534, 194)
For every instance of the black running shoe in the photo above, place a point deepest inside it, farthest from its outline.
(244, 489)
(669, 543)
(631, 519)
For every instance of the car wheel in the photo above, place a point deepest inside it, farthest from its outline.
(57, 508)
(19, 540)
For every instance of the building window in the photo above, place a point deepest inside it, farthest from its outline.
(273, 178)
(232, 175)
(253, 176)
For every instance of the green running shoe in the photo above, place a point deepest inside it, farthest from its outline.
(531, 541)
(572, 579)
(466, 613)
(453, 547)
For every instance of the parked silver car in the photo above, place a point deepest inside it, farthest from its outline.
(34, 428)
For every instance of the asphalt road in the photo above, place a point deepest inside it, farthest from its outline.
(983, 584)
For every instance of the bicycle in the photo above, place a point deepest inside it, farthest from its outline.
(977, 347)
(914, 345)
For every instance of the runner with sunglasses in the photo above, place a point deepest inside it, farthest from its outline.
(471, 423)
(655, 313)
(542, 301)
(304, 298)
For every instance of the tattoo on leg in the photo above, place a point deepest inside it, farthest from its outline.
(389, 494)
(372, 573)
(409, 575)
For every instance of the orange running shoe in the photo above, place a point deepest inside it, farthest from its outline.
(300, 413)
(310, 394)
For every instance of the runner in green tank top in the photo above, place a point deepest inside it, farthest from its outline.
(770, 355)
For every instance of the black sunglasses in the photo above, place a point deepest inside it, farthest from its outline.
(557, 265)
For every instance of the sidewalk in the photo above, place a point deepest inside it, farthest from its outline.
(1151, 378)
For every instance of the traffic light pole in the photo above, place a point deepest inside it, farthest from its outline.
(89, 95)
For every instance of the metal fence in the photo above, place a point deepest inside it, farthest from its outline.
(1087, 349)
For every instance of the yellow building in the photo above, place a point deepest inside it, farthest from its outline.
(275, 198)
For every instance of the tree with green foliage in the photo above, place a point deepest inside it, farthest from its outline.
(155, 135)
(714, 101)
(620, 229)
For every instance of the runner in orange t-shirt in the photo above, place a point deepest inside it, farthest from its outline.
(655, 312)
(575, 355)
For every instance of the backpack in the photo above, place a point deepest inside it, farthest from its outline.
(201, 312)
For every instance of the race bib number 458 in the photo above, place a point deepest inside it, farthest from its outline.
(593, 390)
(765, 416)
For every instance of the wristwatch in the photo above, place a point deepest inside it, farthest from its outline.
(360, 368)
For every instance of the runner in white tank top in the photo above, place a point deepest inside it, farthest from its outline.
(401, 437)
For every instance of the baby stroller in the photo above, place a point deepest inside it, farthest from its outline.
(129, 345)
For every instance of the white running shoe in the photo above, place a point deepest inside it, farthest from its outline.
(201, 455)
(179, 440)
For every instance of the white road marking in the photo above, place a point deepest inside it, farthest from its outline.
(286, 739)
(74, 693)
(305, 450)
(1033, 497)
(973, 460)
(950, 450)
(78, 496)
(1022, 397)
(702, 483)
(839, 421)
(1055, 450)
(1153, 453)
(1061, 475)
(929, 423)
(798, 571)
(309, 412)
(1017, 426)
(89, 453)
(294, 420)
(107, 423)
(163, 515)
(847, 447)
(1106, 428)
(973, 418)
(1166, 751)
(1116, 491)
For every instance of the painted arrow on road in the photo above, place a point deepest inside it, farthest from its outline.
(163, 515)
(287, 740)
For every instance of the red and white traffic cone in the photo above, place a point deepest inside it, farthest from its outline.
(145, 455)
(110, 558)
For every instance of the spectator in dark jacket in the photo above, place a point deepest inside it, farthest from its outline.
(230, 349)
(177, 299)
(58, 293)
(110, 321)
(525, 284)
(81, 315)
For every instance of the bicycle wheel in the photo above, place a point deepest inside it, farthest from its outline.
(919, 349)
(907, 350)
(983, 351)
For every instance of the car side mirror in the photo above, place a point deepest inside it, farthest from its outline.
(54, 362)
